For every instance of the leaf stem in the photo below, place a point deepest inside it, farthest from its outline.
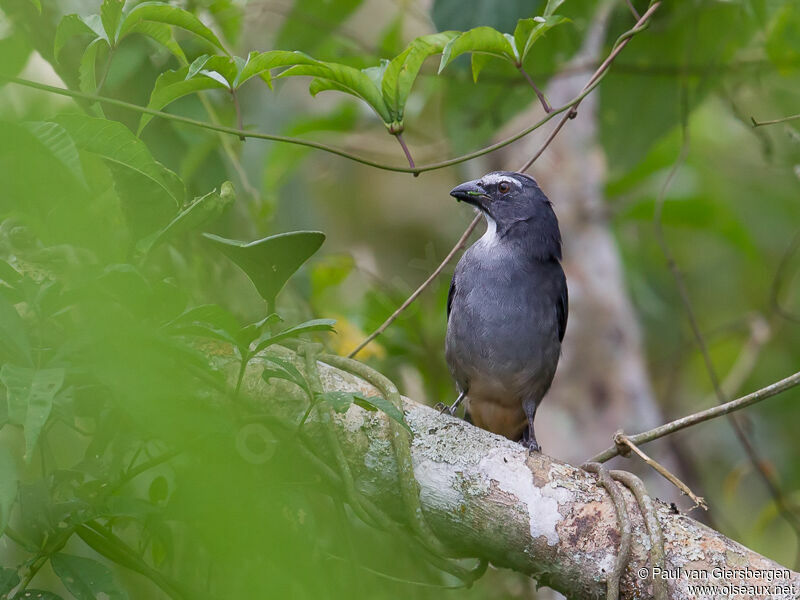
(547, 108)
(399, 136)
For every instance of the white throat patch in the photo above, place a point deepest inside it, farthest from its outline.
(490, 237)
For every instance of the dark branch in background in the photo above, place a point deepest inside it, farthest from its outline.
(752, 453)
(774, 121)
(704, 415)
(621, 42)
(459, 245)
(590, 85)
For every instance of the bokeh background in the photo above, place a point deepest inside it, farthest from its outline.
(670, 125)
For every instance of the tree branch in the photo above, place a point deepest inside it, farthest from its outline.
(704, 415)
(489, 498)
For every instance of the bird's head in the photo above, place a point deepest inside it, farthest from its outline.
(515, 207)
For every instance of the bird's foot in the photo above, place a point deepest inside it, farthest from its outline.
(529, 441)
(444, 408)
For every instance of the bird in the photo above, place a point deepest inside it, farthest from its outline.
(507, 307)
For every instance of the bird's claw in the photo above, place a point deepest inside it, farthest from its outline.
(444, 408)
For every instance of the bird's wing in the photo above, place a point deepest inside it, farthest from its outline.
(562, 308)
(450, 295)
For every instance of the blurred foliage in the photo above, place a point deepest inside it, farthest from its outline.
(119, 477)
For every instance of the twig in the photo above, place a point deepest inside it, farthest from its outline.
(622, 441)
(547, 108)
(633, 9)
(459, 244)
(774, 121)
(703, 415)
(621, 42)
(298, 141)
(753, 455)
(624, 522)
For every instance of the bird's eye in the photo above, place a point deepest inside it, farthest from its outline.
(503, 187)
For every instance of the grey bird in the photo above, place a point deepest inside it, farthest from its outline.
(507, 307)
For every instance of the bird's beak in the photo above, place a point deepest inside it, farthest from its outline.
(471, 193)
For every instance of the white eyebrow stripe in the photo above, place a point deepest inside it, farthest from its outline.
(495, 178)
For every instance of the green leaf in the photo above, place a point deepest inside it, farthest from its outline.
(37, 4)
(150, 193)
(86, 71)
(9, 578)
(14, 341)
(783, 39)
(260, 63)
(334, 76)
(528, 31)
(270, 262)
(280, 368)
(110, 14)
(198, 214)
(86, 579)
(15, 49)
(56, 139)
(339, 401)
(161, 12)
(161, 34)
(293, 332)
(552, 7)
(172, 85)
(481, 39)
(478, 62)
(31, 594)
(250, 332)
(402, 71)
(9, 275)
(74, 25)
(382, 404)
(30, 394)
(9, 480)
(210, 321)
